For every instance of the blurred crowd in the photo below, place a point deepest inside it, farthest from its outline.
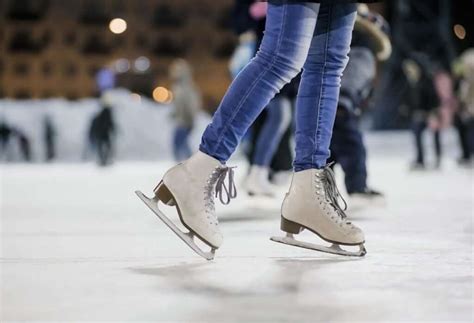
(411, 62)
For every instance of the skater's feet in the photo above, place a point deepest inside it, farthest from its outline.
(368, 192)
(417, 166)
(465, 162)
(313, 202)
(192, 186)
(258, 183)
(365, 198)
(281, 178)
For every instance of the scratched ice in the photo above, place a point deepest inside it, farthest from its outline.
(78, 245)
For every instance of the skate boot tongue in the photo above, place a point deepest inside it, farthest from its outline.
(332, 192)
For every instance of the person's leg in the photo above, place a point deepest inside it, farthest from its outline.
(276, 122)
(320, 83)
(283, 159)
(193, 184)
(275, 125)
(107, 151)
(289, 31)
(437, 145)
(348, 145)
(180, 145)
(462, 129)
(470, 135)
(418, 129)
(186, 149)
(313, 200)
(176, 143)
(101, 152)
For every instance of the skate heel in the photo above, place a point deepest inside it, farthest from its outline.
(290, 226)
(163, 194)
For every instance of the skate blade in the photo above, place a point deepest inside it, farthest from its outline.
(333, 249)
(187, 237)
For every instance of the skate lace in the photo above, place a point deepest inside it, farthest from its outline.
(333, 194)
(216, 183)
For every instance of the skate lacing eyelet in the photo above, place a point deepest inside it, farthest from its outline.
(331, 192)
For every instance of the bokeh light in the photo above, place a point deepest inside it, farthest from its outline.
(142, 64)
(162, 95)
(122, 65)
(459, 31)
(136, 97)
(118, 25)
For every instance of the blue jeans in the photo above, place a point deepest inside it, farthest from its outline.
(276, 122)
(297, 35)
(181, 148)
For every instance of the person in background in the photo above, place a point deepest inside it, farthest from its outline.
(49, 135)
(424, 103)
(9, 133)
(187, 103)
(370, 43)
(101, 134)
(464, 119)
(24, 144)
(6, 133)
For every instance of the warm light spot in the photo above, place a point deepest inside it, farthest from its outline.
(161, 94)
(118, 25)
(459, 31)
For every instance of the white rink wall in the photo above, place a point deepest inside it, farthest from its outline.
(144, 129)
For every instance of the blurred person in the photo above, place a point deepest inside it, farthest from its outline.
(23, 144)
(187, 103)
(424, 102)
(99, 139)
(298, 35)
(267, 135)
(370, 43)
(101, 134)
(419, 27)
(89, 147)
(49, 134)
(6, 134)
(464, 119)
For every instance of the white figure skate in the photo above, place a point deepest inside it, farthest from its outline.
(312, 204)
(190, 186)
(258, 183)
(365, 199)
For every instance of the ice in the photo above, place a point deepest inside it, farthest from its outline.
(77, 244)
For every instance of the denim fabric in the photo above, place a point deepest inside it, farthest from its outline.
(297, 35)
(181, 148)
(276, 122)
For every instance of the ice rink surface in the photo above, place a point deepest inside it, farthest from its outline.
(78, 245)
